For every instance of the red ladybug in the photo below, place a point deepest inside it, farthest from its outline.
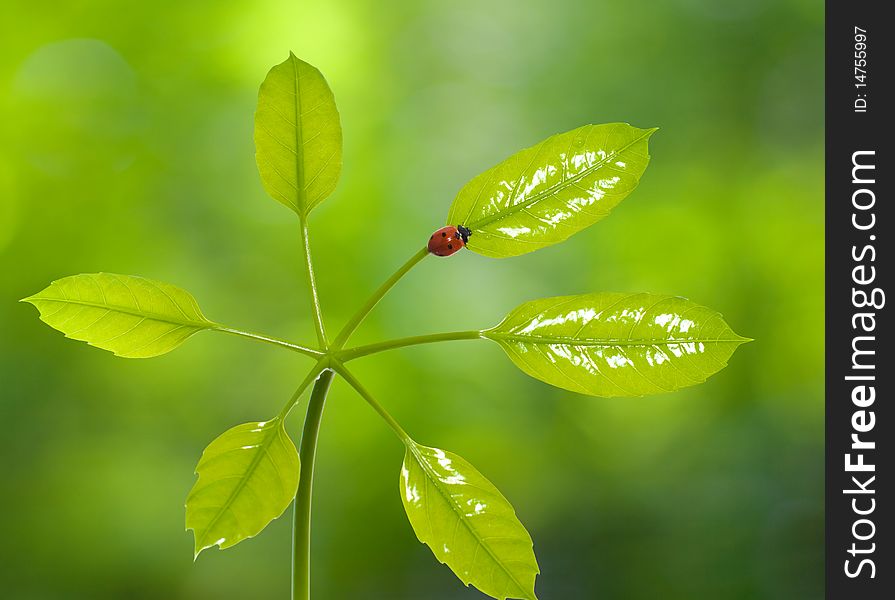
(448, 240)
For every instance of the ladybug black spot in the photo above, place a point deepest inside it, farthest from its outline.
(450, 246)
(443, 234)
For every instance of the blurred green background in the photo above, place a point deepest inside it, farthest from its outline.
(126, 146)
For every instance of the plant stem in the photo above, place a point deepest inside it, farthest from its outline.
(312, 284)
(359, 351)
(301, 528)
(270, 340)
(353, 382)
(359, 316)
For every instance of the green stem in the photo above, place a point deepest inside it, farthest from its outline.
(301, 527)
(277, 342)
(359, 351)
(353, 382)
(359, 316)
(312, 284)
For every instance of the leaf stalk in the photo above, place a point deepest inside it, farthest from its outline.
(360, 351)
(271, 340)
(312, 284)
(360, 389)
(374, 299)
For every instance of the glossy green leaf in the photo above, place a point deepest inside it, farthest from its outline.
(467, 523)
(298, 136)
(544, 194)
(247, 478)
(611, 344)
(131, 316)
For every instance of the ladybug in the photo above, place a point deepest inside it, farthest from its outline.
(448, 240)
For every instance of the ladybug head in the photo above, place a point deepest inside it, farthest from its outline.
(465, 233)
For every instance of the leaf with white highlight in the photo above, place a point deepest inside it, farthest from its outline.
(542, 195)
(467, 523)
(247, 478)
(611, 344)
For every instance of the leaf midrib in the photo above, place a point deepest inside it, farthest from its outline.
(571, 341)
(460, 517)
(128, 311)
(261, 448)
(511, 210)
(301, 196)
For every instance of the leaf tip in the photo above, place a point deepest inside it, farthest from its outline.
(739, 339)
(199, 547)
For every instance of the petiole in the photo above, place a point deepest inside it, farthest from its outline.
(360, 389)
(359, 351)
(271, 340)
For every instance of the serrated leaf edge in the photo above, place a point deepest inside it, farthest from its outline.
(278, 429)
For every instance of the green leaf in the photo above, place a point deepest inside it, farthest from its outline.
(298, 136)
(131, 316)
(544, 194)
(247, 478)
(611, 344)
(467, 523)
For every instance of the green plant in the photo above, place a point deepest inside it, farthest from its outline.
(602, 344)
